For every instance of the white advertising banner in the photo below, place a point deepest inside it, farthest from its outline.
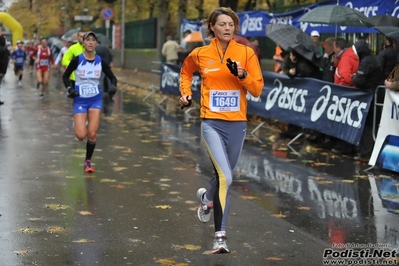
(386, 148)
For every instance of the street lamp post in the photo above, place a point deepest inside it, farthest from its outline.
(37, 30)
(63, 8)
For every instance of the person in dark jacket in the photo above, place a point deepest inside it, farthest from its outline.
(295, 65)
(387, 57)
(369, 73)
(327, 62)
(368, 76)
(4, 59)
(106, 55)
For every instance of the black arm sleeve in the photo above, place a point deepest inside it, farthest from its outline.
(108, 72)
(73, 65)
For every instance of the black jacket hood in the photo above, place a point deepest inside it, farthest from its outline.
(362, 48)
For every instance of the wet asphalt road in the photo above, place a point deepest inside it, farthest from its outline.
(139, 207)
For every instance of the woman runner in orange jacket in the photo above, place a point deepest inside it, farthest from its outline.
(229, 71)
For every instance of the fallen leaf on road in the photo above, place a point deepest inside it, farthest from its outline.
(279, 215)
(188, 247)
(27, 230)
(21, 252)
(274, 258)
(56, 230)
(322, 164)
(166, 262)
(248, 197)
(269, 195)
(85, 213)
(179, 168)
(348, 181)
(163, 207)
(361, 176)
(304, 208)
(325, 182)
(56, 207)
(34, 219)
(118, 186)
(148, 194)
(118, 169)
(83, 240)
(106, 180)
(134, 240)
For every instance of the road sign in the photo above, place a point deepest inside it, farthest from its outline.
(107, 13)
(83, 18)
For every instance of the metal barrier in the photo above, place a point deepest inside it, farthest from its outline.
(377, 105)
(155, 76)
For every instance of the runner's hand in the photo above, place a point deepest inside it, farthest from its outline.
(72, 93)
(112, 90)
(232, 67)
(185, 101)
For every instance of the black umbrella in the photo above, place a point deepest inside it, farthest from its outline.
(393, 35)
(387, 29)
(336, 15)
(288, 36)
(384, 20)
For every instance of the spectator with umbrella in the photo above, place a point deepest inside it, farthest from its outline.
(328, 65)
(392, 81)
(347, 63)
(368, 76)
(387, 57)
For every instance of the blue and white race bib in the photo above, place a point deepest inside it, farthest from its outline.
(88, 90)
(224, 100)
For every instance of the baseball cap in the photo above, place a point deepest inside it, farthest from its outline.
(19, 41)
(314, 33)
(87, 34)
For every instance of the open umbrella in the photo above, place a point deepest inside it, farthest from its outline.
(70, 33)
(288, 36)
(387, 29)
(337, 15)
(56, 42)
(384, 20)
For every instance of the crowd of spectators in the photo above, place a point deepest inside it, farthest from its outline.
(349, 65)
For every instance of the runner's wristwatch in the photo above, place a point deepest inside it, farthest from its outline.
(244, 74)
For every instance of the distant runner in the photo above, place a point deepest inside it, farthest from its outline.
(19, 56)
(87, 94)
(43, 58)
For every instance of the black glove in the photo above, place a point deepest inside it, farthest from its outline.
(190, 101)
(112, 90)
(232, 67)
(72, 93)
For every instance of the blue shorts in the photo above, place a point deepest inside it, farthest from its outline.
(83, 106)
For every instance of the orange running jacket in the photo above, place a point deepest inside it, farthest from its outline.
(223, 95)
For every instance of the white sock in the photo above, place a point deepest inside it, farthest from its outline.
(205, 200)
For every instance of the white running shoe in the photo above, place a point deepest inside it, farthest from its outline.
(204, 211)
(19, 83)
(219, 244)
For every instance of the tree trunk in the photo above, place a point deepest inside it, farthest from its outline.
(163, 14)
(200, 8)
(233, 4)
(181, 15)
